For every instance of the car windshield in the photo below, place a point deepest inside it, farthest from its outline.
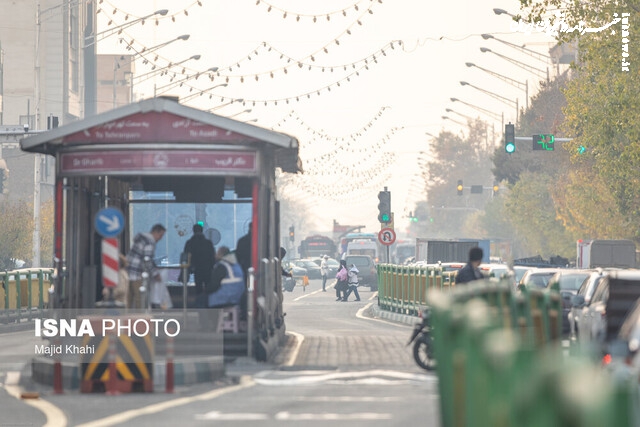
(572, 282)
(308, 264)
(358, 261)
(539, 280)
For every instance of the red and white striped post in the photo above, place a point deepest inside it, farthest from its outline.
(110, 262)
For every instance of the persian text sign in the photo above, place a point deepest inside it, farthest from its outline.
(139, 161)
(155, 127)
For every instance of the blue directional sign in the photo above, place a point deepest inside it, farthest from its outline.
(109, 222)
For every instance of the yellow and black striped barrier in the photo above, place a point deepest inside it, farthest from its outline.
(132, 356)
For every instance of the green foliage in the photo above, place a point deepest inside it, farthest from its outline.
(531, 211)
(16, 233)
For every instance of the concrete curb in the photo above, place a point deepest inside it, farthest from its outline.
(376, 312)
(186, 372)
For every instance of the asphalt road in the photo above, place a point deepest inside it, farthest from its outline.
(339, 368)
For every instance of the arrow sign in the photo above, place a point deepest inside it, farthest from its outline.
(387, 236)
(109, 222)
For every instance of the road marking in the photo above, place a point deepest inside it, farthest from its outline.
(294, 354)
(163, 406)
(288, 416)
(349, 399)
(217, 415)
(54, 415)
(360, 315)
(375, 376)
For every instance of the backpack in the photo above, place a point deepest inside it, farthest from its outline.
(342, 274)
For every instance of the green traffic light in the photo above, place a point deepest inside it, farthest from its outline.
(510, 148)
(385, 218)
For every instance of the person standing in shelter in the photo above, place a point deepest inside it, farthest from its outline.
(140, 259)
(202, 257)
(353, 283)
(324, 271)
(243, 251)
(227, 280)
(471, 270)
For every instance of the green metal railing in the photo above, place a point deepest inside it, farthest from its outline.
(501, 363)
(24, 293)
(404, 289)
(500, 357)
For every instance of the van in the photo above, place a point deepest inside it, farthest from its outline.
(368, 273)
(363, 247)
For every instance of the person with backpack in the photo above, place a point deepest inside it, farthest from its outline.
(353, 283)
(341, 281)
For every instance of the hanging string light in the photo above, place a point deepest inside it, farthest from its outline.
(315, 17)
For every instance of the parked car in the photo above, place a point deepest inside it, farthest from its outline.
(519, 271)
(313, 269)
(494, 270)
(294, 269)
(623, 355)
(579, 306)
(332, 263)
(368, 275)
(537, 278)
(612, 300)
(569, 282)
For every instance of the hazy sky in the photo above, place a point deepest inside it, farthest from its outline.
(365, 129)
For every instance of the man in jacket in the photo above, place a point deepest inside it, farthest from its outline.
(324, 271)
(140, 259)
(470, 271)
(202, 257)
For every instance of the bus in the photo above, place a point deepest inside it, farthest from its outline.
(317, 246)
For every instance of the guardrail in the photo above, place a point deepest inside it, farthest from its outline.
(404, 289)
(24, 293)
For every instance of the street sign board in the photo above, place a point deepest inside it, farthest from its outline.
(109, 222)
(387, 236)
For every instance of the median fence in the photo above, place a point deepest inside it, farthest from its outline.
(24, 293)
(500, 360)
(404, 289)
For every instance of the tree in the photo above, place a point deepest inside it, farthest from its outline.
(16, 233)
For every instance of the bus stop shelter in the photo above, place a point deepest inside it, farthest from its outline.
(162, 162)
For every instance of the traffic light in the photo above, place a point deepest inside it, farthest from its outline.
(543, 142)
(496, 188)
(459, 187)
(292, 233)
(509, 138)
(412, 218)
(384, 206)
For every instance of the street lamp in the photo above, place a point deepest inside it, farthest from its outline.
(193, 95)
(131, 58)
(90, 57)
(500, 98)
(480, 109)
(520, 64)
(449, 110)
(226, 103)
(540, 56)
(165, 70)
(179, 83)
(499, 11)
(454, 121)
(248, 110)
(95, 38)
(509, 80)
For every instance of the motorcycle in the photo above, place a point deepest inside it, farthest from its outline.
(423, 343)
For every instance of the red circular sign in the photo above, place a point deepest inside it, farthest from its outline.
(387, 236)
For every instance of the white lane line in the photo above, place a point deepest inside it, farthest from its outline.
(163, 406)
(360, 315)
(288, 416)
(54, 415)
(217, 415)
